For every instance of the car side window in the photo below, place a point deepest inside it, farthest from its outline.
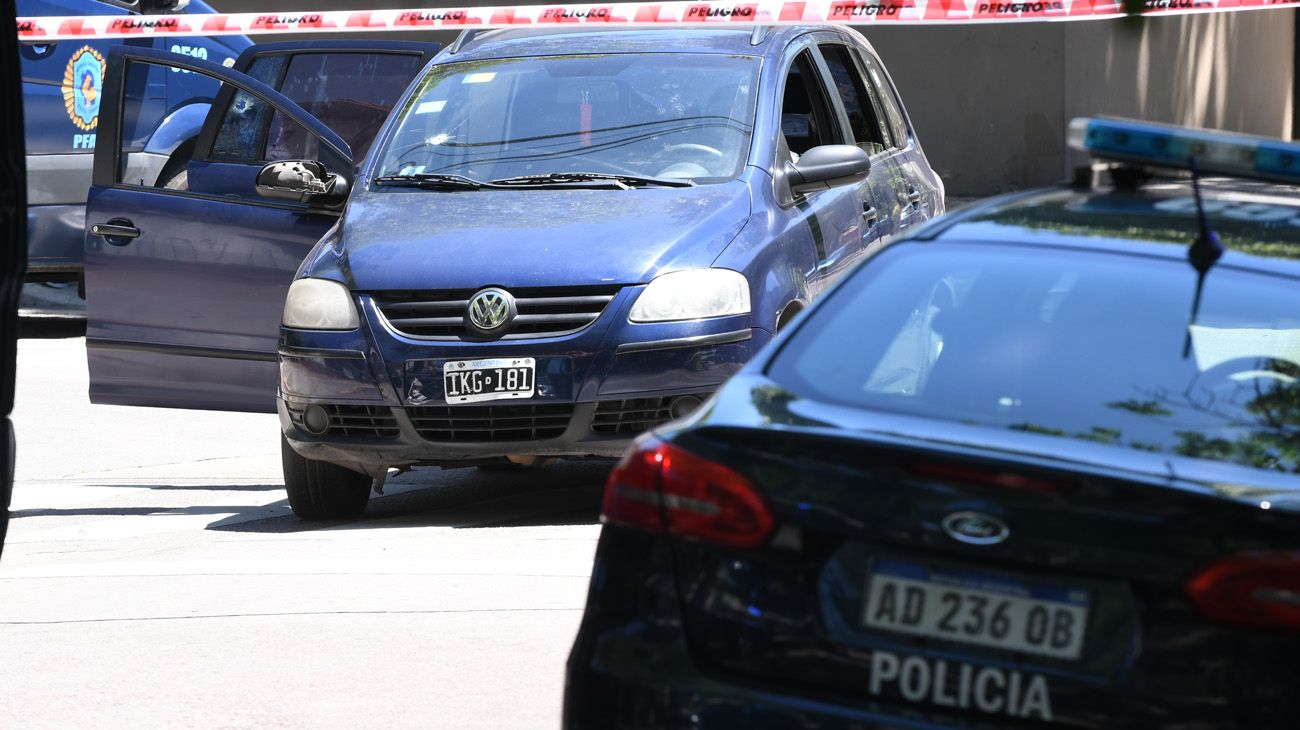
(239, 138)
(142, 108)
(887, 100)
(351, 93)
(806, 119)
(865, 123)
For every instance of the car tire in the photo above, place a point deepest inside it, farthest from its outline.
(175, 179)
(319, 490)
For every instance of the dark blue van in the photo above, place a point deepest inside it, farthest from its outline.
(63, 82)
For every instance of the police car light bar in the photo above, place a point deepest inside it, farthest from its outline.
(1162, 145)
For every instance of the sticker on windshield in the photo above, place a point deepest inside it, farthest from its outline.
(431, 106)
(479, 78)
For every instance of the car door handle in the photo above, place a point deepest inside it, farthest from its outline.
(869, 214)
(914, 196)
(117, 231)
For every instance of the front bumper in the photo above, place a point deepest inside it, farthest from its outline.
(631, 666)
(596, 388)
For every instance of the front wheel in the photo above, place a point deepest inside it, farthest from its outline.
(319, 490)
(175, 174)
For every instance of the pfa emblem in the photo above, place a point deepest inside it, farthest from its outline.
(82, 83)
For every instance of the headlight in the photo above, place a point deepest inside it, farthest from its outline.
(319, 304)
(692, 294)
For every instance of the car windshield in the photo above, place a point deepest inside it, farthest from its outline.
(659, 115)
(1082, 346)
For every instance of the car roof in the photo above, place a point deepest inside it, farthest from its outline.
(1258, 223)
(511, 43)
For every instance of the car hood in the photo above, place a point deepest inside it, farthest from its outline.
(423, 239)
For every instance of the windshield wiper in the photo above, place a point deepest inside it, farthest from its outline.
(433, 181)
(582, 177)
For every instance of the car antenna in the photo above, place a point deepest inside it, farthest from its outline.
(465, 37)
(1204, 252)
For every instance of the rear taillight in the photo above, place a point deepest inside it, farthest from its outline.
(659, 487)
(1260, 589)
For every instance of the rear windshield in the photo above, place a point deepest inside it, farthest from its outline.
(1081, 346)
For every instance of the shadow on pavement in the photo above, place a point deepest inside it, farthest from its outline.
(206, 509)
(196, 487)
(561, 494)
(51, 312)
(50, 328)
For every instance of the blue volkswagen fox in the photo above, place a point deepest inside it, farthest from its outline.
(558, 240)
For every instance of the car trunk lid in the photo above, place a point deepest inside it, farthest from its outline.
(1050, 594)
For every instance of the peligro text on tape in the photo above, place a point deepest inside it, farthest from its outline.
(763, 12)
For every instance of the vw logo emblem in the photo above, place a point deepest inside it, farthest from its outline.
(490, 310)
(975, 528)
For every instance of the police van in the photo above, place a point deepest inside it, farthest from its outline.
(62, 86)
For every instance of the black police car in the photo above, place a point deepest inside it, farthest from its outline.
(1035, 465)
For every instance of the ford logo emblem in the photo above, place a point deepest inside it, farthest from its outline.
(975, 528)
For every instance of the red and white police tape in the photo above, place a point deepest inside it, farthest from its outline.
(764, 12)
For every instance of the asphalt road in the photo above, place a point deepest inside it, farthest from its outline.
(155, 577)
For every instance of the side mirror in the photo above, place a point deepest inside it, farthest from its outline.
(828, 166)
(156, 7)
(301, 181)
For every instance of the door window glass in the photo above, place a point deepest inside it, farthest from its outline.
(144, 106)
(142, 111)
(239, 138)
(806, 119)
(351, 93)
(887, 100)
(868, 131)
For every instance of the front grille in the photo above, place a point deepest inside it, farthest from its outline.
(491, 423)
(543, 312)
(355, 421)
(634, 415)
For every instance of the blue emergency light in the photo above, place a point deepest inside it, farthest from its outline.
(1162, 145)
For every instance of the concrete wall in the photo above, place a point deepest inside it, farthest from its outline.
(990, 103)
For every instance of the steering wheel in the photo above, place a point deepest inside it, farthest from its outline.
(590, 164)
(672, 164)
(691, 146)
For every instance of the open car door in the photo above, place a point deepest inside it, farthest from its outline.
(186, 280)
